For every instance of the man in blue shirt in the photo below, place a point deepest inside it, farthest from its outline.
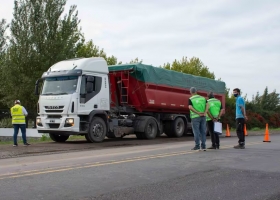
(240, 118)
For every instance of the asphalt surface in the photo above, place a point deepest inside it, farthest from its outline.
(7, 151)
(168, 170)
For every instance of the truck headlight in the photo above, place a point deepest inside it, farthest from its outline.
(39, 122)
(69, 121)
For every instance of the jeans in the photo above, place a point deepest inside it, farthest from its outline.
(240, 131)
(22, 128)
(214, 136)
(199, 131)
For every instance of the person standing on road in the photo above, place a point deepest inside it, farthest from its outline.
(198, 109)
(19, 113)
(240, 118)
(214, 113)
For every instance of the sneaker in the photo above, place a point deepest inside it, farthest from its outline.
(26, 144)
(15, 145)
(203, 149)
(195, 148)
(217, 147)
(213, 147)
(239, 147)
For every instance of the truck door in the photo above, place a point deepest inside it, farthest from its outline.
(92, 95)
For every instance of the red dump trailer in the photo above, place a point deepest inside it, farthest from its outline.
(154, 97)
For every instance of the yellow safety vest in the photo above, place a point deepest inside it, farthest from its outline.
(17, 115)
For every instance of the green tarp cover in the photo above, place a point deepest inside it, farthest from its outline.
(160, 76)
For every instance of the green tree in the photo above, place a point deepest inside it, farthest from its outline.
(3, 40)
(136, 60)
(3, 48)
(40, 37)
(192, 66)
(89, 49)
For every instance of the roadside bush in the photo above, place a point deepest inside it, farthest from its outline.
(255, 129)
(6, 123)
(44, 137)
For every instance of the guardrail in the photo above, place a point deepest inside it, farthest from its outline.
(9, 132)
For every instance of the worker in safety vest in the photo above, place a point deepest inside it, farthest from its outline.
(198, 111)
(19, 113)
(214, 114)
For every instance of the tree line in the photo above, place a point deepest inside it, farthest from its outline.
(40, 35)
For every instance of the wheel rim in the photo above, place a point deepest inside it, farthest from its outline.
(97, 130)
(179, 127)
(150, 129)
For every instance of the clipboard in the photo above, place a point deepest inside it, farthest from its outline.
(218, 128)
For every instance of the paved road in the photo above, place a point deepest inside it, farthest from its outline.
(160, 171)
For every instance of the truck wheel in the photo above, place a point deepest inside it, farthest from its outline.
(97, 130)
(168, 129)
(151, 129)
(58, 138)
(178, 127)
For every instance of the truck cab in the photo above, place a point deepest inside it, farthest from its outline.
(69, 93)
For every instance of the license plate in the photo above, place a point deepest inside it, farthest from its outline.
(52, 121)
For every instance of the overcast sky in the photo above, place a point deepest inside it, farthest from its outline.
(239, 40)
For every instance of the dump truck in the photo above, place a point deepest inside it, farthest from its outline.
(85, 96)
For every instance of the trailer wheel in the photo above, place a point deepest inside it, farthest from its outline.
(178, 127)
(97, 130)
(58, 138)
(151, 129)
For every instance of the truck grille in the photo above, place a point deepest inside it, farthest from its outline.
(54, 109)
(54, 125)
(54, 116)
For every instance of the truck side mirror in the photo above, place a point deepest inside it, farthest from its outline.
(37, 86)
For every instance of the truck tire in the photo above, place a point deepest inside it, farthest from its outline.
(58, 138)
(151, 129)
(178, 127)
(168, 129)
(97, 130)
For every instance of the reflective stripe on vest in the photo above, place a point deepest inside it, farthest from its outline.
(214, 107)
(199, 104)
(17, 115)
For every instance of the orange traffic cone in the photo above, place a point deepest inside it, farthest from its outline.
(266, 135)
(227, 132)
(245, 130)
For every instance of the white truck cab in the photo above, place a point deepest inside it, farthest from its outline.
(71, 91)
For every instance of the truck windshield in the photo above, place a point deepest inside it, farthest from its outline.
(60, 85)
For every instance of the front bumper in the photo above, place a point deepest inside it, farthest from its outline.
(58, 125)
